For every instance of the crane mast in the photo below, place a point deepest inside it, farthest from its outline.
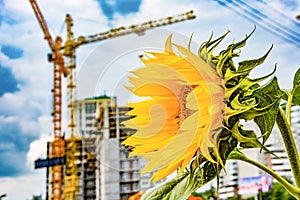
(58, 144)
(67, 67)
(69, 53)
(71, 189)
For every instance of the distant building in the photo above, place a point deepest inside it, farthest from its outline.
(229, 180)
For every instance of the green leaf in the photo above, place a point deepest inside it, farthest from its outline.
(189, 181)
(236, 154)
(296, 88)
(267, 95)
(297, 78)
(295, 91)
(286, 94)
(296, 97)
(178, 188)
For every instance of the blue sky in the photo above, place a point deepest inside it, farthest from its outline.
(10, 83)
(122, 7)
(26, 76)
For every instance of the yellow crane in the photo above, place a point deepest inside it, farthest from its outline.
(63, 57)
(69, 51)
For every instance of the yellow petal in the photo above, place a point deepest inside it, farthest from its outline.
(184, 111)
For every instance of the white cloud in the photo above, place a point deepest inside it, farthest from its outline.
(36, 74)
(24, 187)
(38, 149)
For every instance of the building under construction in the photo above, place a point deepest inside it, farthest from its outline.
(103, 169)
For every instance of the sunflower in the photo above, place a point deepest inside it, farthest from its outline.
(184, 111)
(194, 108)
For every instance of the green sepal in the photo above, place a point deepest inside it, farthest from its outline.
(190, 41)
(241, 43)
(249, 86)
(204, 52)
(248, 65)
(229, 74)
(228, 53)
(245, 105)
(164, 191)
(246, 138)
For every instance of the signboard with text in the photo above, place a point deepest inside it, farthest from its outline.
(49, 162)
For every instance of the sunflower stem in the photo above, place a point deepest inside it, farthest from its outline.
(237, 155)
(290, 145)
(289, 105)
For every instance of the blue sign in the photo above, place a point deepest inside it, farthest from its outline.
(40, 163)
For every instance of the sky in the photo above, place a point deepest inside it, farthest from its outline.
(102, 67)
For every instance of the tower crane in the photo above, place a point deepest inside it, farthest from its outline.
(57, 146)
(63, 58)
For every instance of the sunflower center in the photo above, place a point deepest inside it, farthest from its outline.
(184, 111)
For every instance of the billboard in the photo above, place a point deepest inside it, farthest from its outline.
(255, 184)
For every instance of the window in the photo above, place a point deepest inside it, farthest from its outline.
(135, 186)
(124, 164)
(124, 176)
(90, 107)
(124, 187)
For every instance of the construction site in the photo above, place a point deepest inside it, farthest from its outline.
(89, 161)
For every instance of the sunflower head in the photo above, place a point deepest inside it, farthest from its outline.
(193, 109)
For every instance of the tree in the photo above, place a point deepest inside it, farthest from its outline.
(210, 194)
(37, 197)
(278, 192)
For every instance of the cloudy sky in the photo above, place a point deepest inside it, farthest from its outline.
(26, 76)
